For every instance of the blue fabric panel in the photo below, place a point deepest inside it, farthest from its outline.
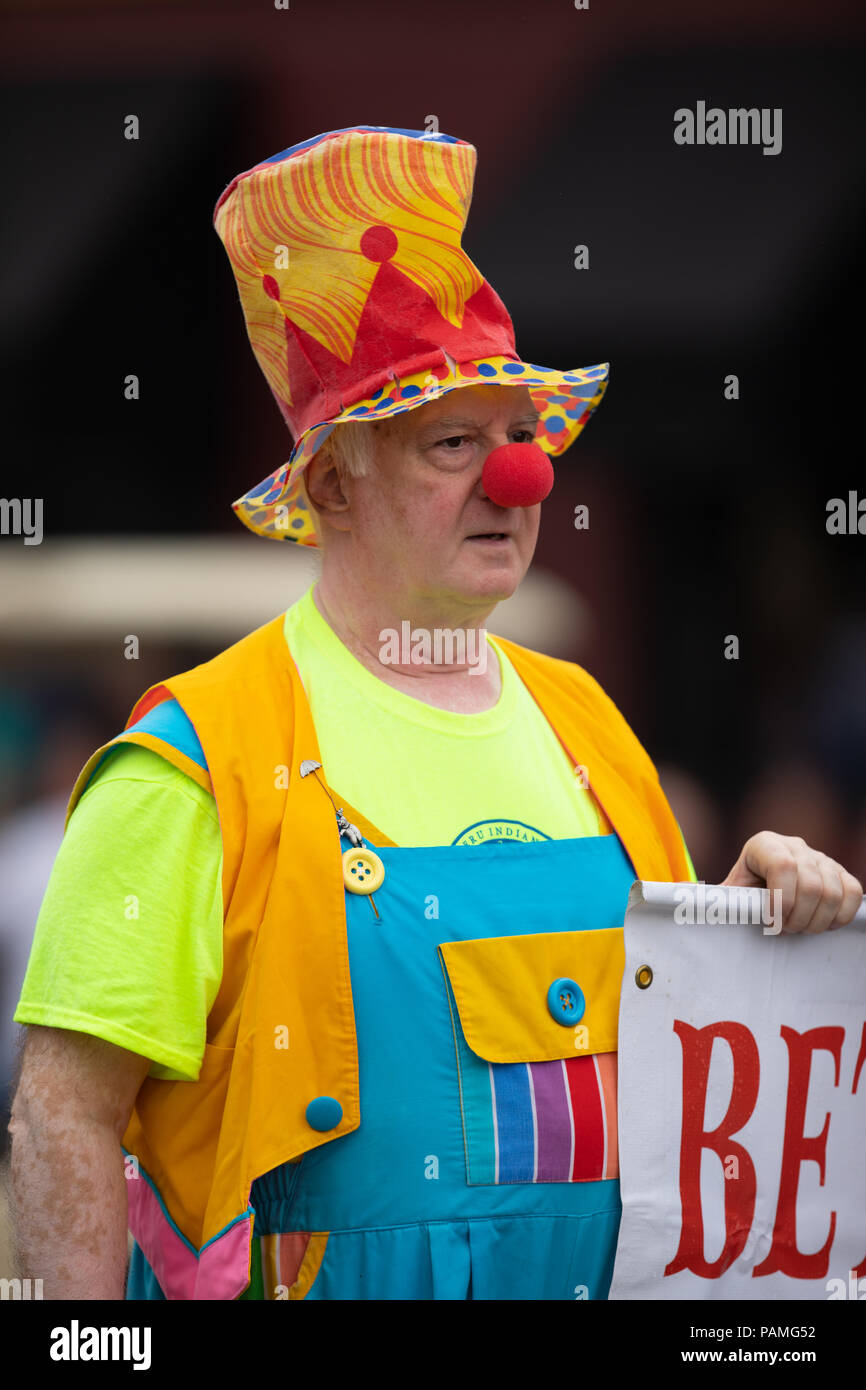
(168, 722)
(141, 1282)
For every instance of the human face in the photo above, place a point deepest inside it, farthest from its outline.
(417, 517)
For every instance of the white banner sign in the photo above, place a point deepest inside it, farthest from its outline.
(742, 1102)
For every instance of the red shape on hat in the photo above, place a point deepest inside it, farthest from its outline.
(517, 475)
(401, 325)
(379, 243)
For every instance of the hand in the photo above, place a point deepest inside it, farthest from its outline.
(817, 893)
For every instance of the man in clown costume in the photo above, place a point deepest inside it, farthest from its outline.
(324, 989)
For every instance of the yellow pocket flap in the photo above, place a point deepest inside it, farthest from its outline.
(502, 984)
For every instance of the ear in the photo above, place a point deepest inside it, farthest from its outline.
(324, 486)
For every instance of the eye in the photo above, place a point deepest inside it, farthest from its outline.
(452, 439)
(453, 443)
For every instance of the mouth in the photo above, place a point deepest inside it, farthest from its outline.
(490, 536)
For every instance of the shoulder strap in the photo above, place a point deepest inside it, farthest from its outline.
(618, 769)
(166, 730)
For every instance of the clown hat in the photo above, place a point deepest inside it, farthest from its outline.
(360, 302)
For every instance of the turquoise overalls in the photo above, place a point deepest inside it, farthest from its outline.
(456, 1184)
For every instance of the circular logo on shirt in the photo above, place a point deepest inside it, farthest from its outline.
(487, 832)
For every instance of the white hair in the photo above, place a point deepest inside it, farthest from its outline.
(352, 447)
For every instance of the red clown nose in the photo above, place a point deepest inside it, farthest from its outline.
(517, 475)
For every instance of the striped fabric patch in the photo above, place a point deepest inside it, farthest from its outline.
(537, 1121)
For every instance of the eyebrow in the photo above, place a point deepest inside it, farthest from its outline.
(451, 422)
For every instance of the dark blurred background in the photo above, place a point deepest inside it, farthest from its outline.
(707, 516)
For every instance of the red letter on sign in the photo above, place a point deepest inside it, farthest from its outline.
(784, 1255)
(697, 1044)
(860, 1271)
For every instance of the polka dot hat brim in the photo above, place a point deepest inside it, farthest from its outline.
(276, 509)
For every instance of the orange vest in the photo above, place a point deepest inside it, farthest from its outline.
(201, 1144)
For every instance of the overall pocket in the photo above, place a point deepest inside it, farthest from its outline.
(535, 1034)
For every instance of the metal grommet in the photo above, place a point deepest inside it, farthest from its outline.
(643, 977)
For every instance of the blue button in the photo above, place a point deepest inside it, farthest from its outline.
(324, 1113)
(565, 1001)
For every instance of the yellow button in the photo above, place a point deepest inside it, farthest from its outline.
(363, 871)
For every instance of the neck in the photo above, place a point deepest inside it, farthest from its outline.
(405, 643)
